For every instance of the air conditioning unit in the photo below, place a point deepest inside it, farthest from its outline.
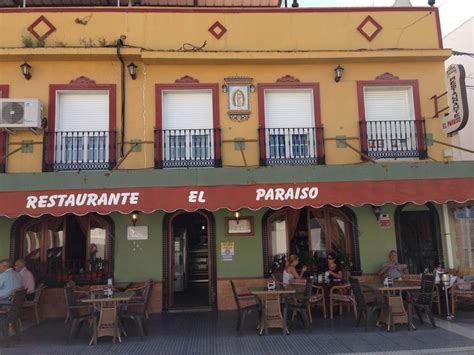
(20, 113)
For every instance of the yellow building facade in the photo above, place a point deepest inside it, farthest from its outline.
(254, 68)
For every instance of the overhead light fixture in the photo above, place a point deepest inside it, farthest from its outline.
(237, 215)
(376, 211)
(132, 70)
(431, 2)
(134, 218)
(26, 70)
(338, 71)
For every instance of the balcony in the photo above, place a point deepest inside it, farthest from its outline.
(291, 146)
(187, 148)
(393, 140)
(87, 150)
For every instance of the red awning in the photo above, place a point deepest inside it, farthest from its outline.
(233, 197)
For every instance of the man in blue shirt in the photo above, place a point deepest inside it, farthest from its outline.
(10, 281)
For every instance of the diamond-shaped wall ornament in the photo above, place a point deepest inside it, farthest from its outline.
(217, 30)
(369, 28)
(41, 28)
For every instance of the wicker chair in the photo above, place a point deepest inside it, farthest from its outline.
(422, 300)
(317, 296)
(340, 295)
(33, 304)
(246, 303)
(142, 294)
(301, 305)
(10, 315)
(139, 302)
(462, 292)
(364, 309)
(76, 312)
(80, 292)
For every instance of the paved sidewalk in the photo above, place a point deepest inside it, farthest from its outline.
(214, 333)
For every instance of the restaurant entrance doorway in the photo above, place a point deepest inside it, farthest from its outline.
(418, 237)
(189, 277)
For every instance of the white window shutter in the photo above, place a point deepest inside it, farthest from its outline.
(187, 109)
(82, 111)
(292, 108)
(388, 104)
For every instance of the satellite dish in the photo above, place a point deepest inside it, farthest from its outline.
(13, 112)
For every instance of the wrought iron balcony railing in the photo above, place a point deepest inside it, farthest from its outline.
(404, 139)
(186, 148)
(291, 146)
(87, 150)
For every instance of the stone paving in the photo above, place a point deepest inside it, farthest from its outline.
(214, 333)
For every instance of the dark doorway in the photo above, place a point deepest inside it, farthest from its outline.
(419, 241)
(189, 281)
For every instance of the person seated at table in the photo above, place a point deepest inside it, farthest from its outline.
(27, 278)
(392, 268)
(10, 281)
(334, 270)
(290, 273)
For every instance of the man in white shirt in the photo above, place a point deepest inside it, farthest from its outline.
(27, 278)
(392, 268)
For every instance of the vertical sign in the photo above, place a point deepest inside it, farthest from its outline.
(457, 100)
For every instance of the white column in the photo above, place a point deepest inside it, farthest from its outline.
(447, 234)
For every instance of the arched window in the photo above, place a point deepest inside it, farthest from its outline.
(311, 234)
(59, 249)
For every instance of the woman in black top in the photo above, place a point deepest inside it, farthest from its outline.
(334, 269)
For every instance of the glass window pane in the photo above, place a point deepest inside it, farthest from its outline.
(31, 253)
(318, 237)
(97, 248)
(55, 246)
(279, 245)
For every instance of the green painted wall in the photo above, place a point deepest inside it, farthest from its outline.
(248, 260)
(374, 242)
(138, 260)
(5, 227)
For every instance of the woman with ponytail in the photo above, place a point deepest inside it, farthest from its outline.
(290, 272)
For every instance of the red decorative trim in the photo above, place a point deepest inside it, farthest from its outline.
(192, 85)
(82, 80)
(4, 91)
(288, 79)
(217, 30)
(80, 84)
(387, 76)
(378, 28)
(261, 88)
(31, 28)
(394, 82)
(186, 80)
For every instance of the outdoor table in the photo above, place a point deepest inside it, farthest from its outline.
(396, 313)
(109, 314)
(271, 312)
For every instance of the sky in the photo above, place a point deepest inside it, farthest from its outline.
(453, 13)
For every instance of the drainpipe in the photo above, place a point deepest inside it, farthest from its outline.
(122, 93)
(447, 233)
